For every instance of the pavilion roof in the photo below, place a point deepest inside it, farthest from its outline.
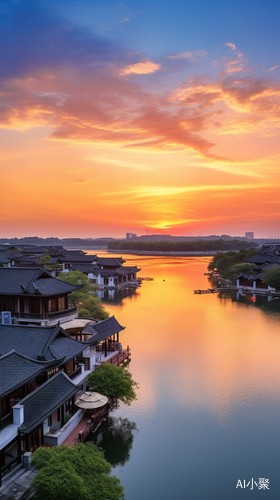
(251, 277)
(83, 258)
(21, 281)
(103, 329)
(127, 270)
(258, 258)
(110, 261)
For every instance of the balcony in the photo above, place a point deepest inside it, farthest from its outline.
(50, 318)
(57, 437)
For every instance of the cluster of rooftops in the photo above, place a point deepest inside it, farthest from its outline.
(45, 353)
(104, 271)
(266, 257)
(31, 356)
(43, 372)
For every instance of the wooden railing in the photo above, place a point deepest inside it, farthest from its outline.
(48, 315)
(93, 422)
(119, 357)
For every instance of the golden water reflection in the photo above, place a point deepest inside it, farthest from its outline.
(202, 352)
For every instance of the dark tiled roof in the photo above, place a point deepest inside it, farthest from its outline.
(84, 268)
(16, 370)
(33, 249)
(74, 252)
(127, 270)
(103, 329)
(46, 343)
(83, 259)
(56, 251)
(14, 255)
(251, 277)
(5, 257)
(16, 281)
(41, 403)
(110, 261)
(28, 261)
(53, 260)
(275, 259)
(262, 267)
(258, 259)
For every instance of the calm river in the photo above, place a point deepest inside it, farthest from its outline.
(208, 408)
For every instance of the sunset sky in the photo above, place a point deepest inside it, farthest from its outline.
(152, 117)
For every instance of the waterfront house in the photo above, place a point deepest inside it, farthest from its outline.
(106, 272)
(104, 339)
(41, 370)
(266, 257)
(34, 296)
(111, 278)
(77, 258)
(252, 281)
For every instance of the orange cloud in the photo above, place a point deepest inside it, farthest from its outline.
(253, 103)
(102, 109)
(273, 67)
(141, 68)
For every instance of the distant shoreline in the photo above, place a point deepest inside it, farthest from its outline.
(162, 253)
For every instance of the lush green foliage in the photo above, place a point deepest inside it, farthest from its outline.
(230, 264)
(180, 246)
(80, 472)
(115, 381)
(85, 298)
(74, 277)
(272, 277)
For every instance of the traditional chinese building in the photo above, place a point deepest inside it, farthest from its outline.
(41, 372)
(35, 296)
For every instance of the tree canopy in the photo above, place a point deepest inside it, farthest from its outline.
(230, 264)
(85, 298)
(272, 277)
(80, 472)
(196, 245)
(115, 381)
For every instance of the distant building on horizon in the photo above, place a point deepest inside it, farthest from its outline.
(130, 235)
(249, 236)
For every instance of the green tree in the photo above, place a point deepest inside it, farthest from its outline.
(80, 472)
(224, 263)
(115, 381)
(88, 304)
(45, 259)
(272, 277)
(75, 278)
(241, 267)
